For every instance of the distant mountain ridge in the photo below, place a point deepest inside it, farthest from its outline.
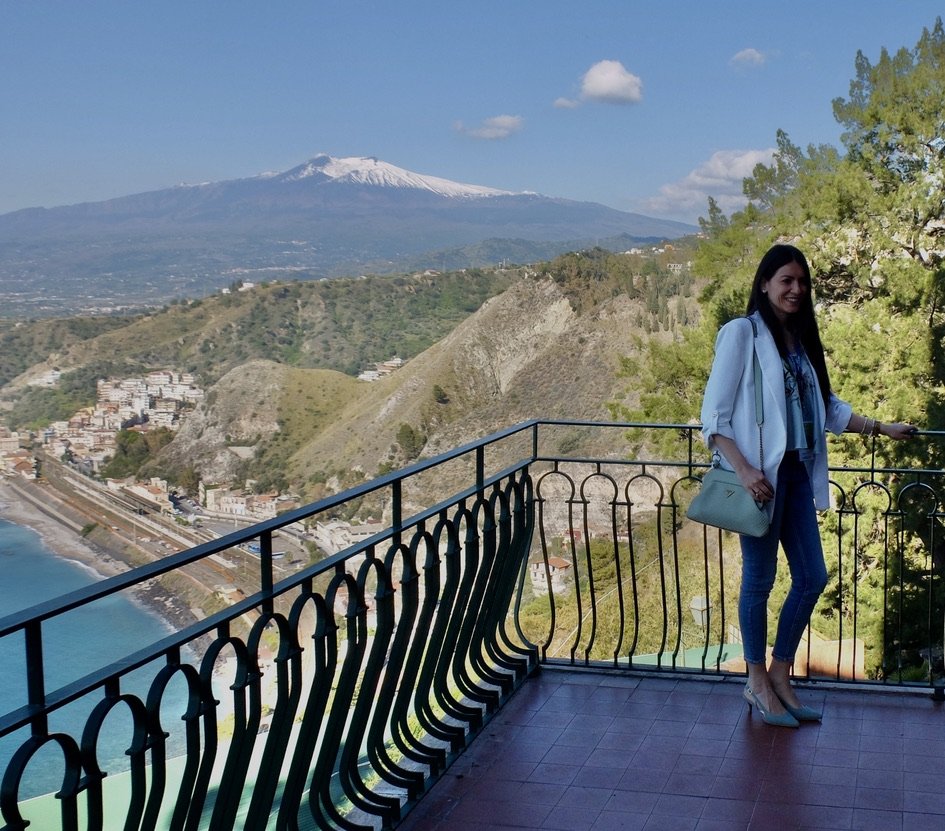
(324, 218)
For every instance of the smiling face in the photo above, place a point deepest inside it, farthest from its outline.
(787, 290)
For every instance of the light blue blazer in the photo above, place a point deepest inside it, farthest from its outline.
(728, 407)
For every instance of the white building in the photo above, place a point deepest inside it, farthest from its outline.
(9, 442)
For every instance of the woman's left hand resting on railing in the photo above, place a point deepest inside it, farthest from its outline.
(873, 427)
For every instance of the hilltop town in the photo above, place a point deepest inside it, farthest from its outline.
(162, 399)
(88, 437)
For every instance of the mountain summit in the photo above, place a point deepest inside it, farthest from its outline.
(368, 170)
(327, 217)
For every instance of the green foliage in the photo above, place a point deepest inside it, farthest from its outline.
(769, 184)
(589, 278)
(362, 321)
(870, 223)
(876, 242)
(133, 449)
(671, 375)
(271, 481)
(188, 479)
(343, 324)
(38, 407)
(23, 344)
(894, 108)
(411, 441)
(615, 618)
(309, 402)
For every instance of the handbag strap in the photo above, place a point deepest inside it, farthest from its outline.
(759, 403)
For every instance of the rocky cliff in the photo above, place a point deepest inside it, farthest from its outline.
(524, 354)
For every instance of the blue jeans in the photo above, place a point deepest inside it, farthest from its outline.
(794, 525)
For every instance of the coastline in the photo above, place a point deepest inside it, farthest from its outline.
(57, 535)
(60, 536)
(29, 506)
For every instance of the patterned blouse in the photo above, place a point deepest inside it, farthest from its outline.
(799, 389)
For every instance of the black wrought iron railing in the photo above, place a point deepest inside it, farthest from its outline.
(333, 695)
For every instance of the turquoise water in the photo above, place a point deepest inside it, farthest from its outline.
(81, 641)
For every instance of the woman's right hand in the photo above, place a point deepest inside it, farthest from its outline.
(752, 479)
(756, 484)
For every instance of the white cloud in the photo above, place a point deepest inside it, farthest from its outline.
(497, 127)
(566, 103)
(748, 57)
(611, 83)
(720, 177)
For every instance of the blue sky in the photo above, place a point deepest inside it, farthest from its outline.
(643, 106)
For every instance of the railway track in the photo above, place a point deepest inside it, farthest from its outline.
(75, 502)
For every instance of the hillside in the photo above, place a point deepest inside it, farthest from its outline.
(342, 324)
(322, 426)
(258, 410)
(485, 349)
(530, 352)
(524, 354)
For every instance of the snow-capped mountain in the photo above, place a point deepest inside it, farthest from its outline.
(363, 170)
(324, 218)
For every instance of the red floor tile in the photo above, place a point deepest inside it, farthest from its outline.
(585, 752)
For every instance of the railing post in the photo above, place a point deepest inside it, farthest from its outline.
(690, 433)
(35, 676)
(265, 570)
(396, 509)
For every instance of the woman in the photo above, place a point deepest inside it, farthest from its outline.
(799, 408)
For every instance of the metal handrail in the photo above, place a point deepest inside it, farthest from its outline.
(440, 617)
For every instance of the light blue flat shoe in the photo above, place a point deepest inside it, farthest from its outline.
(776, 720)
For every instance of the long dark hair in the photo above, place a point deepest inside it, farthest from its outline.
(802, 324)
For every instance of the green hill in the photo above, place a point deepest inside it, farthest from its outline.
(483, 349)
(343, 324)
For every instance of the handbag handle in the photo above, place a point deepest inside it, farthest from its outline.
(759, 403)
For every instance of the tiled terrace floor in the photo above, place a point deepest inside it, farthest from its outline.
(588, 752)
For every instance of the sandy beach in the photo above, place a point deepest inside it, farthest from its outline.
(58, 536)
(34, 507)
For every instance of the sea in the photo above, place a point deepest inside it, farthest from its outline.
(81, 641)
